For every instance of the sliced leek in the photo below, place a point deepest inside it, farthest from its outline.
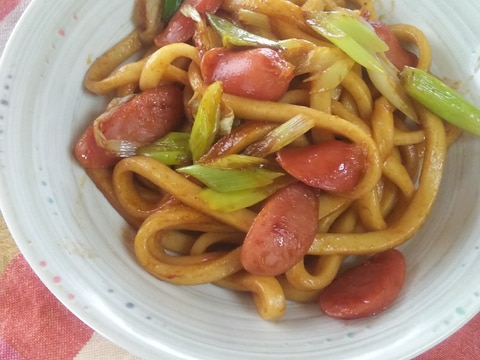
(226, 180)
(172, 149)
(233, 35)
(281, 136)
(207, 119)
(347, 31)
(353, 35)
(441, 99)
(235, 200)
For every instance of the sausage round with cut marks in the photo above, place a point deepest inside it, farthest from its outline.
(366, 289)
(282, 232)
(144, 118)
(331, 165)
(260, 73)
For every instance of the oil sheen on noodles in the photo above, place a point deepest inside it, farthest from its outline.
(177, 230)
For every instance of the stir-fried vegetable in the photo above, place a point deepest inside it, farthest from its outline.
(357, 38)
(231, 179)
(293, 50)
(172, 149)
(236, 181)
(207, 120)
(352, 34)
(281, 136)
(169, 8)
(240, 199)
(397, 55)
(441, 99)
(233, 35)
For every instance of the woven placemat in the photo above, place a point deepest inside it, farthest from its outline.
(8, 248)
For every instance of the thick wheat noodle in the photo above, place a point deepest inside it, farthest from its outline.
(341, 111)
(267, 292)
(329, 203)
(389, 196)
(182, 270)
(326, 269)
(418, 209)
(346, 220)
(160, 61)
(326, 222)
(209, 239)
(102, 78)
(396, 172)
(298, 295)
(355, 85)
(383, 126)
(412, 35)
(369, 211)
(99, 78)
(401, 137)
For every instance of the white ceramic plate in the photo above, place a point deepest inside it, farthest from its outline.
(78, 245)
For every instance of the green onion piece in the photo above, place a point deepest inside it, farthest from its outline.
(172, 149)
(347, 31)
(281, 136)
(236, 200)
(170, 157)
(350, 33)
(441, 99)
(236, 161)
(227, 180)
(206, 122)
(389, 85)
(227, 120)
(233, 35)
(169, 8)
(358, 28)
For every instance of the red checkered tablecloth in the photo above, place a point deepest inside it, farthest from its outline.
(34, 325)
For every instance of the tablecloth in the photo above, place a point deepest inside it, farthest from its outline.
(34, 325)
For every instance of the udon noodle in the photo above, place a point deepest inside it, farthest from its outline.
(182, 240)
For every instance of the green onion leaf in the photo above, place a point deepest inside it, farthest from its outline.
(206, 122)
(353, 35)
(169, 8)
(236, 161)
(389, 85)
(233, 35)
(227, 180)
(441, 99)
(281, 136)
(347, 31)
(236, 200)
(172, 149)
